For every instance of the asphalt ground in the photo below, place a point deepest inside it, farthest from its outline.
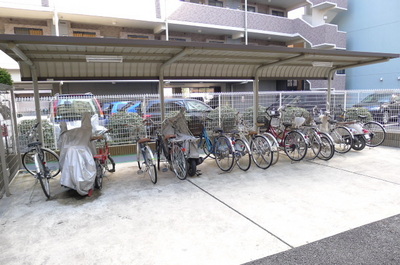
(342, 211)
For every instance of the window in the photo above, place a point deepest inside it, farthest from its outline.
(341, 72)
(249, 8)
(177, 39)
(278, 13)
(28, 31)
(138, 37)
(84, 34)
(215, 41)
(216, 3)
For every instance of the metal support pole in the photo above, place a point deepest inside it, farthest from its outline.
(161, 93)
(256, 89)
(328, 96)
(37, 102)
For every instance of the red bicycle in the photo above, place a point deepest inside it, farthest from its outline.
(104, 161)
(290, 140)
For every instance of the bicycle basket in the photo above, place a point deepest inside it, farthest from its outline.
(263, 123)
(195, 127)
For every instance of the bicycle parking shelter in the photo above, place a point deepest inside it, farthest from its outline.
(54, 58)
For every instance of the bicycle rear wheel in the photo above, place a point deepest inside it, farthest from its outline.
(377, 133)
(224, 153)
(51, 160)
(42, 175)
(179, 162)
(98, 182)
(151, 168)
(295, 146)
(343, 139)
(243, 154)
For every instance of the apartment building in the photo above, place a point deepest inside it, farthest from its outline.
(372, 27)
(241, 22)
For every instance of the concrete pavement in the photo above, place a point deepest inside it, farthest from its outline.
(216, 218)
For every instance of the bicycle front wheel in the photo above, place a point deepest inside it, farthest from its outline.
(42, 175)
(295, 146)
(314, 143)
(50, 158)
(179, 163)
(327, 147)
(110, 164)
(343, 139)
(151, 167)
(261, 152)
(224, 152)
(274, 147)
(243, 154)
(377, 133)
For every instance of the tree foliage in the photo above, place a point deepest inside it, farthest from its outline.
(5, 77)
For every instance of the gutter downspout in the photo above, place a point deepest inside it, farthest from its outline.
(246, 36)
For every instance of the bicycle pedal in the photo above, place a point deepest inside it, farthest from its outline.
(198, 173)
(139, 172)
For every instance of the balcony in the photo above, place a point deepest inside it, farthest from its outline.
(192, 17)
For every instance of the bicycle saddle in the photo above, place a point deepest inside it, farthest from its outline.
(251, 133)
(362, 117)
(287, 124)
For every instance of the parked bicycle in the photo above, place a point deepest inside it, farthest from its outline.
(342, 136)
(218, 147)
(41, 162)
(260, 147)
(292, 141)
(177, 145)
(369, 133)
(104, 161)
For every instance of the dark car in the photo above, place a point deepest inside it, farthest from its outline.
(305, 101)
(383, 106)
(194, 108)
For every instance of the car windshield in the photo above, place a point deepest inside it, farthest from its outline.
(76, 107)
(373, 98)
(196, 106)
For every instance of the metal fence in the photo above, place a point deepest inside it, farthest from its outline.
(9, 155)
(124, 114)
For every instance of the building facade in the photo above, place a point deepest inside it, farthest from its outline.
(241, 22)
(372, 27)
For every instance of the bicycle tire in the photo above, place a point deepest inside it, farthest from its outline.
(274, 147)
(179, 162)
(192, 167)
(261, 151)
(29, 164)
(224, 153)
(138, 155)
(151, 168)
(206, 146)
(377, 133)
(295, 146)
(43, 176)
(98, 182)
(327, 147)
(314, 144)
(342, 138)
(359, 143)
(242, 154)
(110, 161)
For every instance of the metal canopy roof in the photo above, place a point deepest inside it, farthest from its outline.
(66, 58)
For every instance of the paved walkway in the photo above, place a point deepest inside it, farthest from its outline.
(288, 213)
